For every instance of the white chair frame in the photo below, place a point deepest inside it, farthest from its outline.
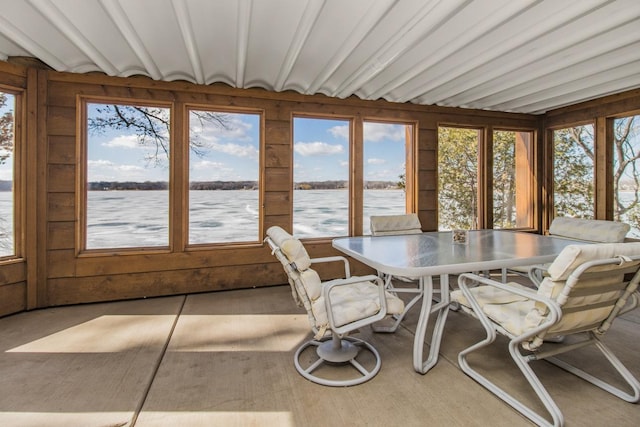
(627, 302)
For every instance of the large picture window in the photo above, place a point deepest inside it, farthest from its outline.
(512, 180)
(573, 172)
(127, 176)
(224, 196)
(321, 177)
(626, 172)
(386, 149)
(457, 177)
(7, 157)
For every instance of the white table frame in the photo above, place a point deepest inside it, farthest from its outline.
(423, 256)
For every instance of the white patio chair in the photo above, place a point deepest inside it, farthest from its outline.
(587, 288)
(389, 225)
(335, 308)
(586, 230)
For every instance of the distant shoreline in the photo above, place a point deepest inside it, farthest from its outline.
(235, 185)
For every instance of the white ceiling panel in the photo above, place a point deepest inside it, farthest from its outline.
(525, 56)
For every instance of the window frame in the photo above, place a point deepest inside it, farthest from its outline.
(485, 157)
(528, 175)
(356, 167)
(186, 154)
(549, 188)
(351, 171)
(82, 141)
(19, 173)
(411, 167)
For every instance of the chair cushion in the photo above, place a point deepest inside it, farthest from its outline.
(353, 302)
(382, 225)
(592, 230)
(506, 309)
(487, 295)
(574, 255)
(291, 247)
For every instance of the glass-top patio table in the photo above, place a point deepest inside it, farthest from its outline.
(423, 256)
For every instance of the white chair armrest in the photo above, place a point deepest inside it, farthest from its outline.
(536, 274)
(554, 315)
(347, 270)
(326, 293)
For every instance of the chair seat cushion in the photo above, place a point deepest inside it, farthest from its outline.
(353, 302)
(487, 295)
(506, 309)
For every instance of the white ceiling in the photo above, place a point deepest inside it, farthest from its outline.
(505, 55)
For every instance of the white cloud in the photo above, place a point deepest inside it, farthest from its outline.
(206, 170)
(235, 149)
(123, 141)
(374, 161)
(207, 165)
(340, 131)
(375, 132)
(317, 148)
(234, 129)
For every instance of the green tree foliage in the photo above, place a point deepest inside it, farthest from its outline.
(457, 177)
(626, 173)
(573, 171)
(6, 127)
(504, 179)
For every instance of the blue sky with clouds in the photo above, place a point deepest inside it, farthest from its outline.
(321, 152)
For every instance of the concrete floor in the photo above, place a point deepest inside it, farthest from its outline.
(226, 359)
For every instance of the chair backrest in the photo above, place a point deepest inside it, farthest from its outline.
(591, 284)
(305, 282)
(591, 230)
(395, 224)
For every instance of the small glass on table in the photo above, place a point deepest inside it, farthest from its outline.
(460, 236)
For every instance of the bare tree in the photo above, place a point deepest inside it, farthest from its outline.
(152, 126)
(6, 129)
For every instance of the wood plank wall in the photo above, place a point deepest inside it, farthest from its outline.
(58, 275)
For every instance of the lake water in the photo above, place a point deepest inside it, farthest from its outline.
(139, 218)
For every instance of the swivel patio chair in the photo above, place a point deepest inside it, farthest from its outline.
(335, 309)
(587, 287)
(390, 225)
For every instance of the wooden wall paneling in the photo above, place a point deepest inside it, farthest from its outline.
(61, 178)
(356, 178)
(98, 277)
(62, 150)
(13, 297)
(61, 121)
(179, 178)
(94, 263)
(37, 205)
(603, 163)
(602, 107)
(61, 235)
(76, 290)
(277, 203)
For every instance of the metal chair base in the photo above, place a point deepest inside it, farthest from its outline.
(338, 351)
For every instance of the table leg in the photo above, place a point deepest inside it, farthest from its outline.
(442, 310)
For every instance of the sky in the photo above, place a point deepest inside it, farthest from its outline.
(321, 152)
